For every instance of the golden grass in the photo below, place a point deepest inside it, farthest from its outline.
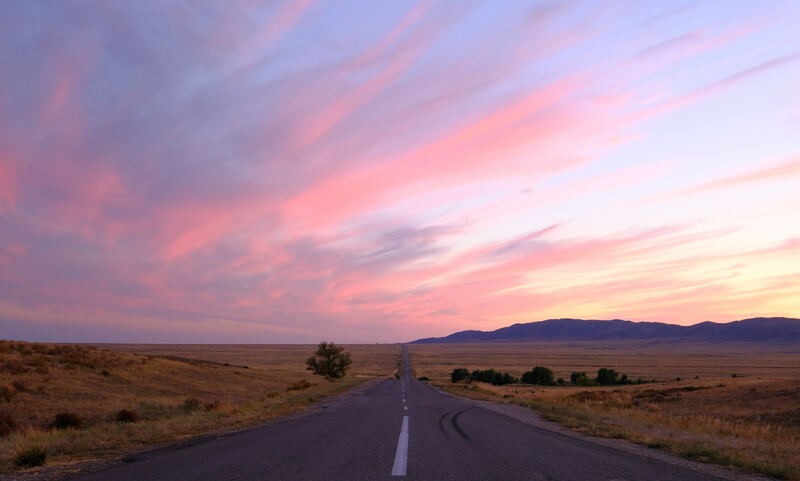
(751, 421)
(176, 391)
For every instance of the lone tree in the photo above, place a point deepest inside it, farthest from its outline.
(330, 360)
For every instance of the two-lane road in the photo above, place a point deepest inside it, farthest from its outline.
(400, 429)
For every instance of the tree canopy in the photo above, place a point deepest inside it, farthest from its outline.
(329, 360)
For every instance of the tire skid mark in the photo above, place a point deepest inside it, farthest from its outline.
(454, 422)
(441, 425)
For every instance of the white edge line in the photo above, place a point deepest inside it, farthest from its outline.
(401, 456)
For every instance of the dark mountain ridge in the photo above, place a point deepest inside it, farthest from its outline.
(759, 329)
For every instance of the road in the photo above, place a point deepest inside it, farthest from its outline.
(400, 429)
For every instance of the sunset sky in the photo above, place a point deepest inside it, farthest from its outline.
(273, 172)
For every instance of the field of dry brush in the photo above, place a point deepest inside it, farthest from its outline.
(167, 393)
(737, 405)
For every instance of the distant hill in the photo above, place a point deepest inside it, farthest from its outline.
(760, 329)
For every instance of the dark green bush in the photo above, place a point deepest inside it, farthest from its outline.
(490, 376)
(578, 378)
(503, 379)
(538, 375)
(486, 376)
(67, 420)
(459, 374)
(607, 377)
(127, 416)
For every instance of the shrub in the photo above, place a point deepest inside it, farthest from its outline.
(482, 376)
(299, 385)
(538, 375)
(30, 457)
(503, 379)
(607, 376)
(7, 424)
(7, 392)
(459, 374)
(127, 416)
(14, 367)
(67, 420)
(191, 404)
(329, 360)
(491, 376)
(423, 378)
(580, 379)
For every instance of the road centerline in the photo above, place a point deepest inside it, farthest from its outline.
(401, 455)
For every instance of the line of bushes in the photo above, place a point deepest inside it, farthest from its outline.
(489, 376)
(605, 377)
(541, 376)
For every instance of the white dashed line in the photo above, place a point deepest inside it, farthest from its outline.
(401, 456)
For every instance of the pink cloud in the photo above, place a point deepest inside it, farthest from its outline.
(458, 156)
(788, 168)
(724, 83)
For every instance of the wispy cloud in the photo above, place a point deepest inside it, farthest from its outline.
(781, 171)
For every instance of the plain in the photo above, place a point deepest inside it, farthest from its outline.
(123, 398)
(730, 404)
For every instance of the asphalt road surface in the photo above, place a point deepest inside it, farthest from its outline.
(399, 429)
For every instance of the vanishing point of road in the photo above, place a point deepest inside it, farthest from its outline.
(407, 429)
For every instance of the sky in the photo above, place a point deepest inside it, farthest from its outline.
(288, 172)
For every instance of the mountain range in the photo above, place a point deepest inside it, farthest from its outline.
(760, 329)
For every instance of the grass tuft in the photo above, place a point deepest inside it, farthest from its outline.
(299, 385)
(30, 457)
(7, 424)
(191, 404)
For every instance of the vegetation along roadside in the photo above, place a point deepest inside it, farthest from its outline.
(728, 405)
(61, 405)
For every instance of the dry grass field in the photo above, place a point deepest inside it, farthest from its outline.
(174, 392)
(750, 421)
